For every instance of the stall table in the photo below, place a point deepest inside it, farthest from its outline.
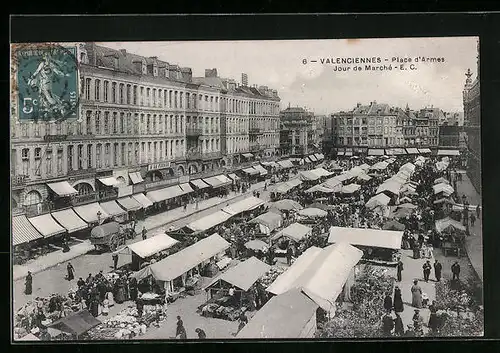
(449, 246)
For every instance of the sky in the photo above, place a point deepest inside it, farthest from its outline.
(316, 86)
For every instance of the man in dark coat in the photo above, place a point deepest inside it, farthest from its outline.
(388, 302)
(399, 269)
(71, 271)
(478, 211)
(201, 334)
(28, 284)
(399, 328)
(80, 282)
(437, 270)
(144, 233)
(427, 270)
(180, 331)
(289, 253)
(472, 219)
(455, 269)
(133, 289)
(387, 325)
(115, 261)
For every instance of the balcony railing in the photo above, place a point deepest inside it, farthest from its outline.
(193, 155)
(194, 132)
(255, 131)
(108, 195)
(211, 155)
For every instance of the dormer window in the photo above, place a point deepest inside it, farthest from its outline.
(155, 69)
(144, 67)
(83, 58)
(115, 60)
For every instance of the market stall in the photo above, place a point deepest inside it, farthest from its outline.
(206, 223)
(248, 204)
(379, 246)
(76, 324)
(378, 201)
(268, 222)
(312, 212)
(308, 175)
(296, 232)
(287, 205)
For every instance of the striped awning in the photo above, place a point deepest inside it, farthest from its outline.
(69, 220)
(109, 181)
(186, 188)
(23, 231)
(129, 203)
(62, 188)
(260, 169)
(89, 212)
(199, 183)
(313, 158)
(247, 155)
(165, 194)
(143, 200)
(46, 225)
(112, 208)
(412, 151)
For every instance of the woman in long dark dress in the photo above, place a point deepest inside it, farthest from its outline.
(133, 289)
(28, 284)
(94, 307)
(388, 302)
(398, 301)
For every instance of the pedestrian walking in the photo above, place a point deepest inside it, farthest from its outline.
(399, 329)
(418, 321)
(144, 233)
(180, 331)
(388, 302)
(185, 206)
(427, 270)
(387, 325)
(400, 269)
(289, 253)
(115, 261)
(398, 300)
(243, 321)
(433, 322)
(455, 270)
(71, 271)
(201, 334)
(478, 211)
(472, 219)
(416, 295)
(437, 270)
(80, 282)
(28, 284)
(464, 199)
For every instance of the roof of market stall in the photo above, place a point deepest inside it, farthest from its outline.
(269, 219)
(247, 204)
(376, 238)
(152, 245)
(294, 231)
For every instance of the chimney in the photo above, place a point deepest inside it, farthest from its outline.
(244, 79)
(211, 72)
(123, 51)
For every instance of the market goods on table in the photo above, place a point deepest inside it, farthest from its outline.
(271, 275)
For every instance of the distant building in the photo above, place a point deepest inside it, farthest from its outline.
(297, 135)
(244, 79)
(449, 136)
(452, 118)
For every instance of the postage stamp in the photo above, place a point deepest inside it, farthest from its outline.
(47, 82)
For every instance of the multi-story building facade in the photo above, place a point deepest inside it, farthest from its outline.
(327, 140)
(137, 116)
(297, 136)
(427, 126)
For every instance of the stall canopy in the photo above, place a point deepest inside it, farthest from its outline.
(350, 189)
(282, 188)
(29, 337)
(448, 223)
(256, 245)
(233, 176)
(376, 238)
(333, 183)
(89, 212)
(136, 177)
(308, 175)
(23, 231)
(215, 182)
(284, 316)
(307, 160)
(251, 171)
(320, 188)
(444, 188)
(153, 245)
(283, 282)
(224, 179)
(375, 152)
(319, 156)
(260, 169)
(109, 181)
(410, 167)
(441, 181)
(379, 165)
(209, 221)
(322, 172)
(129, 203)
(390, 186)
(399, 151)
(448, 153)
(69, 220)
(378, 200)
(356, 171)
(286, 163)
(323, 280)
(294, 182)
(62, 188)
(340, 153)
(165, 193)
(112, 208)
(364, 166)
(270, 164)
(248, 204)
(143, 200)
(199, 183)
(77, 323)
(364, 177)
(287, 205)
(424, 150)
(412, 151)
(186, 188)
(188, 258)
(334, 166)
(295, 231)
(46, 225)
(269, 219)
(393, 225)
(312, 212)
(243, 275)
(247, 155)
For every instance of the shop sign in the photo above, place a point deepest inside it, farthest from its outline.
(156, 166)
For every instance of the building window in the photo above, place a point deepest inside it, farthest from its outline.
(97, 91)
(98, 157)
(106, 123)
(154, 97)
(106, 89)
(59, 161)
(136, 123)
(135, 95)
(122, 93)
(88, 122)
(113, 92)
(170, 99)
(115, 125)
(128, 93)
(148, 100)
(122, 123)
(70, 157)
(38, 153)
(89, 156)
(181, 97)
(154, 123)
(80, 156)
(98, 122)
(87, 88)
(107, 148)
(33, 198)
(175, 99)
(122, 154)
(136, 153)
(188, 100)
(115, 154)
(148, 123)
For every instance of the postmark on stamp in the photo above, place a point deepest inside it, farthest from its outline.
(46, 82)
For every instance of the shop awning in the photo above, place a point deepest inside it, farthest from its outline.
(186, 188)
(143, 200)
(165, 193)
(312, 212)
(287, 204)
(136, 177)
(247, 155)
(348, 153)
(260, 169)
(69, 220)
(251, 171)
(389, 152)
(77, 323)
(63, 188)
(247, 204)
(313, 158)
(199, 183)
(424, 150)
(188, 258)
(378, 200)
(307, 160)
(213, 182)
(295, 231)
(89, 212)
(350, 189)
(46, 225)
(286, 163)
(319, 156)
(23, 231)
(153, 245)
(129, 203)
(375, 152)
(412, 151)
(294, 182)
(269, 219)
(376, 238)
(243, 275)
(399, 151)
(320, 188)
(448, 153)
(308, 175)
(322, 172)
(109, 181)
(112, 208)
(233, 176)
(209, 221)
